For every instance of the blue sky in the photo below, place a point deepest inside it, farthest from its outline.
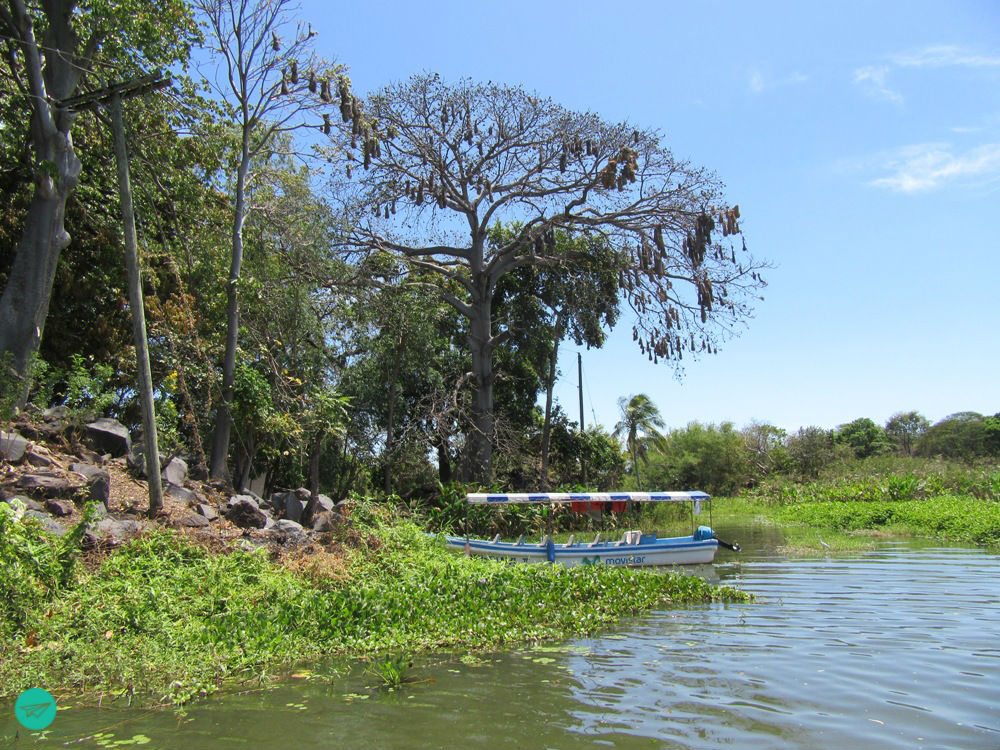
(861, 141)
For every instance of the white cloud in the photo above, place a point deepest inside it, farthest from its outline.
(945, 55)
(759, 83)
(872, 78)
(928, 166)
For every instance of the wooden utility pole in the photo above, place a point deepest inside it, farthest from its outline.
(112, 96)
(579, 375)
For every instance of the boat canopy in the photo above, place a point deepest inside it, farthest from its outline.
(596, 497)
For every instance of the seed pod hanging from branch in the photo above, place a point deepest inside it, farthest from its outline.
(324, 92)
(295, 72)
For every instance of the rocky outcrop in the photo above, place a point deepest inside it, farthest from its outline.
(109, 436)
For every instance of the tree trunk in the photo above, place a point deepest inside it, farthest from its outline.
(24, 305)
(550, 382)
(390, 421)
(480, 444)
(444, 462)
(150, 448)
(223, 417)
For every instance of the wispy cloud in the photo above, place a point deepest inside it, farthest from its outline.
(872, 79)
(758, 82)
(944, 55)
(928, 166)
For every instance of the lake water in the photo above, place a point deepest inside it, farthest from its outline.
(895, 648)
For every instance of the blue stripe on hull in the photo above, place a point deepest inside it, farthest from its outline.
(676, 551)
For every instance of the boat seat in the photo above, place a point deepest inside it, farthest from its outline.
(520, 539)
(572, 538)
(597, 539)
(495, 539)
(545, 540)
(630, 537)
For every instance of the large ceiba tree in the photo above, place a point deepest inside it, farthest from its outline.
(444, 164)
(53, 50)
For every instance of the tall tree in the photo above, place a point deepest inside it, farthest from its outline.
(905, 429)
(640, 426)
(51, 52)
(274, 86)
(448, 162)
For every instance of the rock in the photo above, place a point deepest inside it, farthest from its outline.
(86, 470)
(109, 436)
(109, 531)
(324, 503)
(47, 484)
(12, 447)
(206, 510)
(46, 522)
(28, 503)
(278, 499)
(243, 512)
(99, 487)
(89, 456)
(98, 481)
(175, 471)
(100, 511)
(294, 506)
(55, 413)
(59, 507)
(288, 533)
(190, 520)
(325, 521)
(38, 456)
(183, 494)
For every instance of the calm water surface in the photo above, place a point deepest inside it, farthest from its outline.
(896, 648)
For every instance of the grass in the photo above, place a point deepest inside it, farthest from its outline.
(163, 621)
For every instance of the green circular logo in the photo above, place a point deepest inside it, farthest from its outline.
(35, 708)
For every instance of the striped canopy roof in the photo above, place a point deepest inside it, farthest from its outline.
(566, 497)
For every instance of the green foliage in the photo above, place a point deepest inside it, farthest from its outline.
(863, 437)
(176, 621)
(810, 449)
(704, 457)
(965, 435)
(35, 565)
(905, 429)
(947, 516)
(392, 671)
(13, 385)
(639, 426)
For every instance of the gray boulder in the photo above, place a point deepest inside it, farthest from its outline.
(190, 520)
(294, 506)
(245, 513)
(59, 507)
(324, 504)
(12, 447)
(287, 532)
(175, 472)
(109, 436)
(47, 484)
(109, 531)
(182, 494)
(98, 481)
(206, 510)
(325, 521)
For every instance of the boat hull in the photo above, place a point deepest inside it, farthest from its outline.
(685, 550)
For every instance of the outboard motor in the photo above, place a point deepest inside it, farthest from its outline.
(704, 532)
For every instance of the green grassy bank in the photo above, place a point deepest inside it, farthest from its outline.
(165, 620)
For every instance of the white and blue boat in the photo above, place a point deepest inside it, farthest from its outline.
(634, 549)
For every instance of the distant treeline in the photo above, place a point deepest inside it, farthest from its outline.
(722, 459)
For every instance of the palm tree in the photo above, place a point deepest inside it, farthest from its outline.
(639, 425)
